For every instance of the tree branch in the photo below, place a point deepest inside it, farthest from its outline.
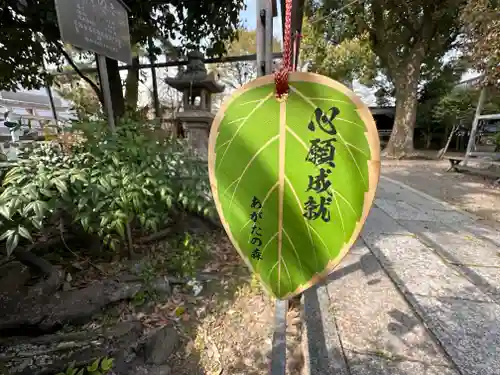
(79, 72)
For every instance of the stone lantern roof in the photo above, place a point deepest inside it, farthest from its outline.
(195, 76)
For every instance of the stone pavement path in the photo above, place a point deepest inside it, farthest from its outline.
(418, 294)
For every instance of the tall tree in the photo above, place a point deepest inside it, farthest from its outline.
(345, 61)
(236, 74)
(185, 20)
(406, 35)
(438, 85)
(481, 20)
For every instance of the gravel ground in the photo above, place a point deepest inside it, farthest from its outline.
(471, 193)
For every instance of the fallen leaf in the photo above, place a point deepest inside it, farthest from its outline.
(180, 310)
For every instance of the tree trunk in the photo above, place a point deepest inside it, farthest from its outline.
(428, 140)
(115, 83)
(132, 86)
(400, 144)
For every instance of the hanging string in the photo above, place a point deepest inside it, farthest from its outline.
(281, 76)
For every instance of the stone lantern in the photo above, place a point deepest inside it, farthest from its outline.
(197, 87)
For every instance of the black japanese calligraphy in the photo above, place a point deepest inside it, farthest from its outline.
(255, 216)
(320, 183)
(322, 152)
(256, 203)
(257, 254)
(256, 241)
(314, 210)
(256, 230)
(323, 121)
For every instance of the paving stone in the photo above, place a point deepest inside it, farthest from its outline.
(419, 269)
(389, 190)
(324, 353)
(379, 332)
(400, 210)
(483, 231)
(490, 277)
(468, 330)
(379, 221)
(464, 320)
(373, 317)
(478, 260)
(462, 245)
(449, 217)
(362, 364)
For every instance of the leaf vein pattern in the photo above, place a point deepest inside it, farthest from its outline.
(245, 119)
(287, 272)
(295, 251)
(306, 224)
(248, 166)
(272, 269)
(265, 247)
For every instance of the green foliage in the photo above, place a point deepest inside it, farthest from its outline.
(83, 98)
(188, 253)
(236, 74)
(482, 37)
(104, 182)
(458, 107)
(345, 61)
(147, 273)
(441, 84)
(408, 38)
(188, 21)
(98, 367)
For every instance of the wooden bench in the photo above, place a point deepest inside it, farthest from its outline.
(383, 133)
(493, 158)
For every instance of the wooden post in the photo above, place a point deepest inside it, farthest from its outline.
(152, 60)
(261, 37)
(278, 354)
(48, 88)
(472, 139)
(106, 90)
(271, 12)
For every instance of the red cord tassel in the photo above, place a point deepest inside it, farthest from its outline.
(281, 76)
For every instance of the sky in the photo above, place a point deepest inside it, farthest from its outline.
(249, 17)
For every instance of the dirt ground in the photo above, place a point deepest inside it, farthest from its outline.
(228, 328)
(473, 194)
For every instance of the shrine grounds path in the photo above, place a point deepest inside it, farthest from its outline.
(419, 294)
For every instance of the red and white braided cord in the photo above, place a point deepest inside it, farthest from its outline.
(281, 76)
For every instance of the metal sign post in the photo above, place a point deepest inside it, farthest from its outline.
(106, 90)
(101, 27)
(266, 11)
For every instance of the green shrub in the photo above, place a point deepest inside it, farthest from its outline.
(104, 182)
(188, 254)
(98, 367)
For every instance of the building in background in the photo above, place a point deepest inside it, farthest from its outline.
(32, 109)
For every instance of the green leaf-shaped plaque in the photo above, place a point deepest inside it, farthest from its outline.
(293, 181)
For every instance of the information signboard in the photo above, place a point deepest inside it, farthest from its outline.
(99, 26)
